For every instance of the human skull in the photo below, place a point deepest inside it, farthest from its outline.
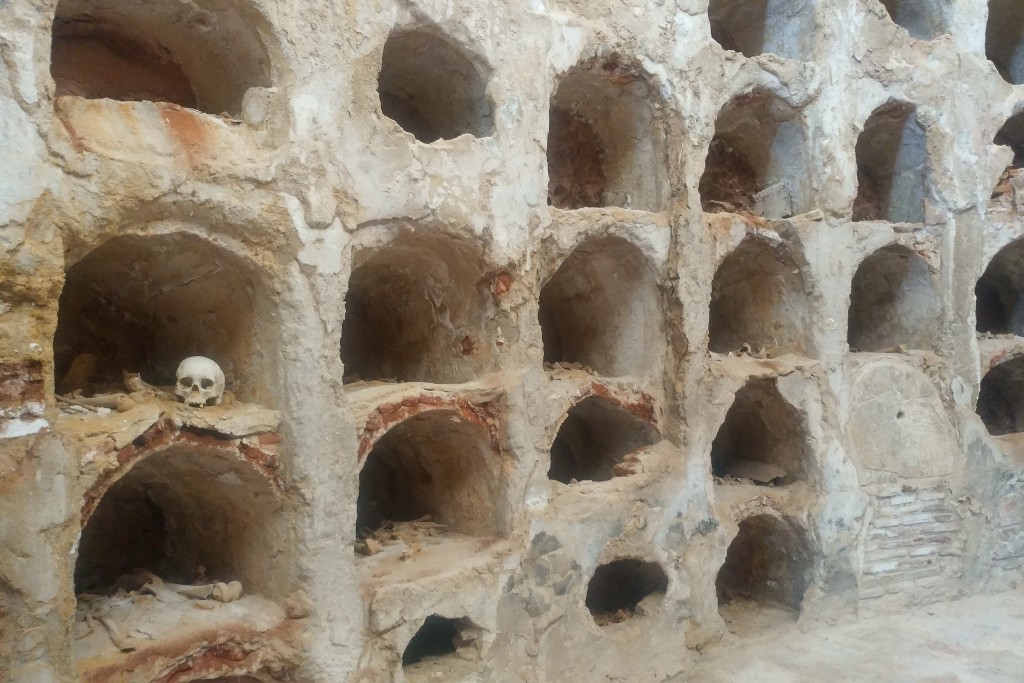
(200, 382)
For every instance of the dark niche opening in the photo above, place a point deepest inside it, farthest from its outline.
(595, 437)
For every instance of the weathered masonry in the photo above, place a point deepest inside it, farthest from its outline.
(543, 341)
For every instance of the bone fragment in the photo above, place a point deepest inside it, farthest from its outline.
(115, 635)
(134, 382)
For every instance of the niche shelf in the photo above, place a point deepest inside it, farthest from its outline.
(1004, 36)
(442, 647)
(602, 310)
(180, 520)
(419, 309)
(756, 161)
(141, 304)
(1010, 135)
(923, 19)
(607, 140)
(762, 440)
(892, 166)
(759, 299)
(143, 81)
(752, 27)
(430, 487)
(432, 87)
(596, 440)
(767, 569)
(999, 306)
(626, 588)
(893, 302)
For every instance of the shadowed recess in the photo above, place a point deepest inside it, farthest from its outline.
(893, 302)
(432, 88)
(144, 303)
(618, 587)
(751, 27)
(892, 166)
(1000, 307)
(178, 510)
(923, 19)
(1004, 38)
(204, 55)
(762, 438)
(602, 309)
(606, 141)
(756, 160)
(436, 464)
(767, 565)
(596, 435)
(758, 298)
(418, 310)
(1001, 398)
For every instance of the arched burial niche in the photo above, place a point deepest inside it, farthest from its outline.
(757, 158)
(892, 166)
(1004, 39)
(1001, 398)
(418, 310)
(923, 19)
(442, 648)
(758, 298)
(762, 439)
(432, 87)
(766, 572)
(180, 509)
(143, 303)
(1000, 307)
(597, 435)
(752, 27)
(619, 587)
(204, 55)
(607, 142)
(436, 463)
(893, 302)
(602, 309)
(1012, 135)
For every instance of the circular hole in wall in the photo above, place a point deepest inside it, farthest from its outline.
(605, 144)
(595, 437)
(204, 57)
(143, 304)
(181, 509)
(1004, 37)
(442, 649)
(1000, 308)
(762, 439)
(893, 302)
(1001, 398)
(435, 463)
(602, 309)
(622, 589)
(767, 569)
(418, 310)
(433, 88)
(756, 160)
(892, 166)
(758, 298)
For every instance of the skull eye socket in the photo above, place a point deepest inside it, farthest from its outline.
(185, 382)
(206, 383)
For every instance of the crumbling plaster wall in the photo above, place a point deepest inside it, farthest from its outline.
(311, 173)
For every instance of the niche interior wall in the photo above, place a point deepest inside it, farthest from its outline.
(559, 340)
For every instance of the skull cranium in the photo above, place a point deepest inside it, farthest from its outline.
(200, 382)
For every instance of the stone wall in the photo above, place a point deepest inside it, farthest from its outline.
(562, 340)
